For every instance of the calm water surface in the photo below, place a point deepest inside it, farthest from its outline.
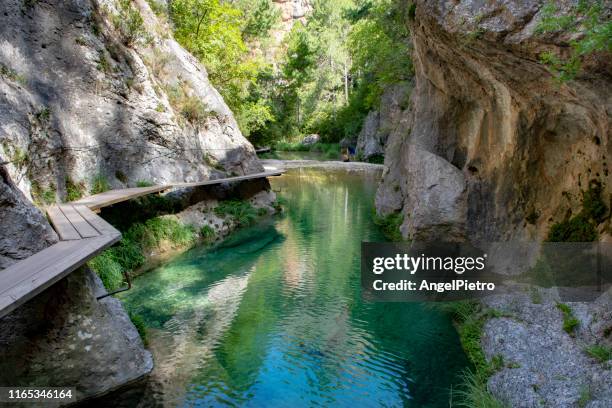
(274, 316)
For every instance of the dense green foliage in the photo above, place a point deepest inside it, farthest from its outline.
(108, 269)
(99, 184)
(474, 393)
(128, 254)
(587, 17)
(129, 23)
(218, 33)
(242, 212)
(328, 73)
(335, 68)
(74, 190)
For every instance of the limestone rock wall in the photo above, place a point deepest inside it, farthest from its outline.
(490, 138)
(76, 103)
(381, 123)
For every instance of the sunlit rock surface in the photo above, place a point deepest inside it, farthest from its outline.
(76, 103)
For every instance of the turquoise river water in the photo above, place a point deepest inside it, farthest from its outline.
(274, 317)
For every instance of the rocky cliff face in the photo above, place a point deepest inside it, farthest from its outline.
(491, 147)
(77, 103)
(84, 100)
(381, 123)
(291, 11)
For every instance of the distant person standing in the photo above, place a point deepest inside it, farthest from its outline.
(345, 155)
(351, 152)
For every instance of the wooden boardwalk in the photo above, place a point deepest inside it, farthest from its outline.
(83, 235)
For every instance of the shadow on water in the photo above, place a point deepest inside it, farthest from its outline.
(274, 314)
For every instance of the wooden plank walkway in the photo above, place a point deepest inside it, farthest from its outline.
(83, 235)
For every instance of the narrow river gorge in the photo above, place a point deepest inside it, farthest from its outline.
(275, 313)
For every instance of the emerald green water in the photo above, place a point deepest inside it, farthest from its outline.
(274, 317)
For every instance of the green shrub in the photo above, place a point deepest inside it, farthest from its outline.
(587, 17)
(42, 196)
(155, 230)
(412, 11)
(99, 184)
(104, 64)
(474, 394)
(242, 212)
(128, 253)
(119, 175)
(376, 159)
(12, 74)
(599, 352)
(569, 320)
(583, 226)
(157, 7)
(593, 205)
(74, 191)
(390, 225)
(574, 229)
(139, 323)
(208, 233)
(108, 269)
(129, 24)
(469, 317)
(144, 183)
(285, 146)
(190, 107)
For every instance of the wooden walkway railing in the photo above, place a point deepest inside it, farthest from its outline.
(83, 235)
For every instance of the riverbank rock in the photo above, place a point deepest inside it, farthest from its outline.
(311, 139)
(525, 145)
(543, 364)
(66, 337)
(80, 108)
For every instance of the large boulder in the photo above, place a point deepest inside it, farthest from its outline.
(24, 229)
